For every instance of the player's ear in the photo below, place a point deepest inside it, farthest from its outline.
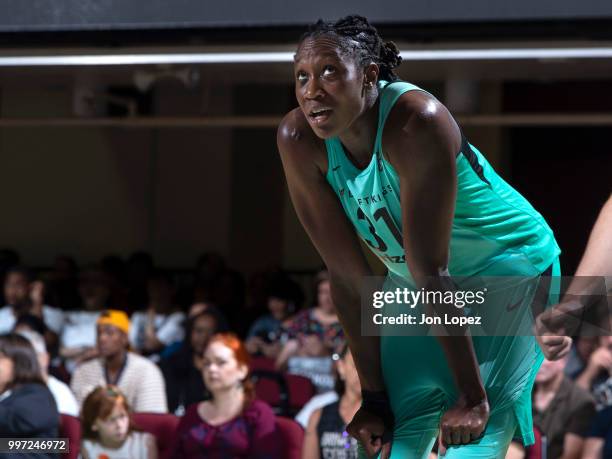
(370, 75)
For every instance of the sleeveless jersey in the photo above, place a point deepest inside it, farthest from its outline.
(491, 221)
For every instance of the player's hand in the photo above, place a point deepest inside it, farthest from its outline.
(562, 319)
(371, 431)
(554, 347)
(464, 422)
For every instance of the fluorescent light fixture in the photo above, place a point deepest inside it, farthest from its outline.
(286, 57)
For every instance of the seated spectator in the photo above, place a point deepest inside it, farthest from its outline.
(26, 297)
(78, 340)
(64, 398)
(597, 374)
(161, 324)
(108, 431)
(326, 434)
(137, 377)
(579, 355)
(312, 336)
(27, 408)
(264, 336)
(183, 369)
(598, 444)
(230, 424)
(561, 409)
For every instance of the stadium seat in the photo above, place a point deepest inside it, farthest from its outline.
(70, 428)
(285, 393)
(301, 389)
(292, 437)
(262, 363)
(162, 426)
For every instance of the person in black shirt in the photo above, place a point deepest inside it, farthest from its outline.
(27, 408)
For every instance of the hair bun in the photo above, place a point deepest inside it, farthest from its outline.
(390, 54)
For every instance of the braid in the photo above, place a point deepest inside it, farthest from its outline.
(358, 37)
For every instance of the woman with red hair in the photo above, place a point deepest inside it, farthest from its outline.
(231, 423)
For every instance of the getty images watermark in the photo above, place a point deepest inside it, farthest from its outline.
(486, 306)
(412, 298)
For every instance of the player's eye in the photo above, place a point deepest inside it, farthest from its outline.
(329, 70)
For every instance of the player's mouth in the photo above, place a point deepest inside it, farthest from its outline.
(320, 115)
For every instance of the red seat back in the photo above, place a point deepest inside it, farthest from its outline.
(301, 389)
(70, 428)
(262, 363)
(536, 451)
(292, 437)
(162, 426)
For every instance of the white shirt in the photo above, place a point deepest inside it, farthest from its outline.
(64, 398)
(136, 446)
(79, 329)
(168, 328)
(316, 402)
(52, 317)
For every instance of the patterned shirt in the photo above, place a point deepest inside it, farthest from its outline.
(251, 435)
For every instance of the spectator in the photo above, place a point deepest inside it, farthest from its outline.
(598, 444)
(230, 424)
(108, 430)
(264, 336)
(580, 353)
(161, 324)
(78, 340)
(313, 334)
(23, 297)
(183, 369)
(27, 408)
(138, 378)
(64, 398)
(597, 374)
(326, 434)
(562, 410)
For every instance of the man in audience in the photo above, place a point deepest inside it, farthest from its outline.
(64, 398)
(78, 340)
(597, 374)
(562, 410)
(137, 377)
(23, 296)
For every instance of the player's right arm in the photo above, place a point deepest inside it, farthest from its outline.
(322, 216)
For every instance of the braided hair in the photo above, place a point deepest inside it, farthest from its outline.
(358, 37)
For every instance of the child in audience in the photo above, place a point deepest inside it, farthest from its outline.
(108, 431)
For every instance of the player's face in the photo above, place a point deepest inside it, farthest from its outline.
(329, 86)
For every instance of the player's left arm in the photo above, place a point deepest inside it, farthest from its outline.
(422, 140)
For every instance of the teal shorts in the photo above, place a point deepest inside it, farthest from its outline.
(421, 386)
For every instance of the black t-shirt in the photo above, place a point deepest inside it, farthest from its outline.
(29, 412)
(602, 428)
(334, 441)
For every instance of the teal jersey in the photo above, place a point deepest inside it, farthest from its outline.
(495, 232)
(491, 221)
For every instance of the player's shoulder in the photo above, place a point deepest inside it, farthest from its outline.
(295, 137)
(416, 110)
(419, 122)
